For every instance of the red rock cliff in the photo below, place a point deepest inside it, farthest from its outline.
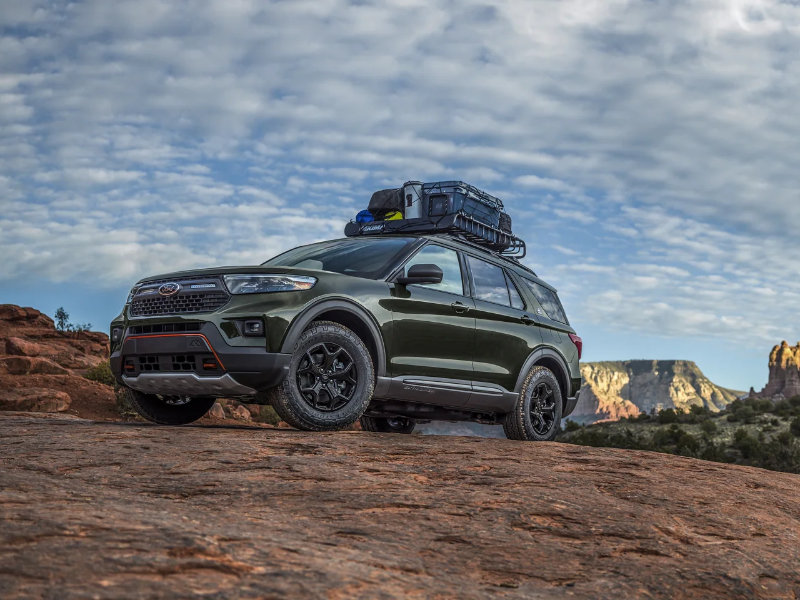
(784, 371)
(42, 369)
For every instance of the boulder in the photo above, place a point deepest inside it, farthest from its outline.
(26, 365)
(19, 347)
(35, 399)
(217, 412)
(240, 413)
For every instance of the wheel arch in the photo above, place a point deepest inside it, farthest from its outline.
(347, 313)
(550, 358)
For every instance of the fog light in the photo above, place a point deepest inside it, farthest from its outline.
(253, 328)
(116, 334)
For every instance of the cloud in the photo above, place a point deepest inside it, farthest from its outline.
(647, 149)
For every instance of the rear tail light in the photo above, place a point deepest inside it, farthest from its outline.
(576, 339)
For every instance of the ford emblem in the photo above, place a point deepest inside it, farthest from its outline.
(169, 289)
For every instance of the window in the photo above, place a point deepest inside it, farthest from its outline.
(549, 301)
(516, 299)
(490, 282)
(360, 257)
(447, 261)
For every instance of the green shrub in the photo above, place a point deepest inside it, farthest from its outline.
(101, 373)
(745, 443)
(571, 425)
(699, 411)
(794, 427)
(667, 415)
(760, 405)
(746, 414)
(709, 427)
(687, 444)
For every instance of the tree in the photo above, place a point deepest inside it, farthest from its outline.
(62, 319)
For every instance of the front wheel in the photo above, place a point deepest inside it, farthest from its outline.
(537, 413)
(388, 424)
(330, 380)
(168, 410)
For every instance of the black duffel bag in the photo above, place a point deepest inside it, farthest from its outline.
(384, 202)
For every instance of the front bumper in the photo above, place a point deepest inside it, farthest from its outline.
(196, 363)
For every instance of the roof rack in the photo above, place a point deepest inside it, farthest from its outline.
(459, 224)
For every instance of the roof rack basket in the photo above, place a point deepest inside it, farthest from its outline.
(458, 224)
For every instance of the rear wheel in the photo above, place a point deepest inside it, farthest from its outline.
(330, 380)
(388, 424)
(168, 410)
(537, 413)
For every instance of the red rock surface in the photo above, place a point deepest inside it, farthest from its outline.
(42, 369)
(107, 510)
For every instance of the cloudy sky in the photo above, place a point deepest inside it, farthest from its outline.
(648, 151)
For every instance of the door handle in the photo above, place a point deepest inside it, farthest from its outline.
(460, 307)
(527, 320)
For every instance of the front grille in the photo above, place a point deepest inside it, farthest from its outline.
(165, 328)
(147, 302)
(171, 363)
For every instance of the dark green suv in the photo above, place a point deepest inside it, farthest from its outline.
(388, 329)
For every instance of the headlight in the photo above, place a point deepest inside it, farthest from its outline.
(263, 284)
(131, 294)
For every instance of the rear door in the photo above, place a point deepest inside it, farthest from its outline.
(433, 330)
(551, 318)
(505, 331)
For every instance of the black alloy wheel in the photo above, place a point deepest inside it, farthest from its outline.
(330, 381)
(536, 416)
(542, 408)
(327, 377)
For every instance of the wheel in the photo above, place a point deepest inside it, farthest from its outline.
(168, 410)
(330, 380)
(388, 424)
(537, 413)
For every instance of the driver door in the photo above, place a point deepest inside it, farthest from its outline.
(433, 333)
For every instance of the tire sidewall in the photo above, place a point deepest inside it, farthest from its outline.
(154, 409)
(539, 375)
(350, 412)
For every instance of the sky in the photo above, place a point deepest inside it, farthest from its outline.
(647, 151)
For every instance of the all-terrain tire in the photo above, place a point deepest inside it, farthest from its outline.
(156, 409)
(537, 412)
(388, 424)
(304, 409)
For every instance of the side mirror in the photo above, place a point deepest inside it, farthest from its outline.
(421, 274)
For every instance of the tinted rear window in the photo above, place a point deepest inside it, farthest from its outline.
(549, 301)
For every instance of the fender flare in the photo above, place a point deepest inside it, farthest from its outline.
(302, 321)
(536, 356)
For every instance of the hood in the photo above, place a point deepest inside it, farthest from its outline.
(217, 271)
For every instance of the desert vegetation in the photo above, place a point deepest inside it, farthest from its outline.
(754, 431)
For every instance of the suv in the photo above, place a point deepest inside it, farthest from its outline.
(389, 329)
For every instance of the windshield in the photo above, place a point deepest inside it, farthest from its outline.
(360, 257)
